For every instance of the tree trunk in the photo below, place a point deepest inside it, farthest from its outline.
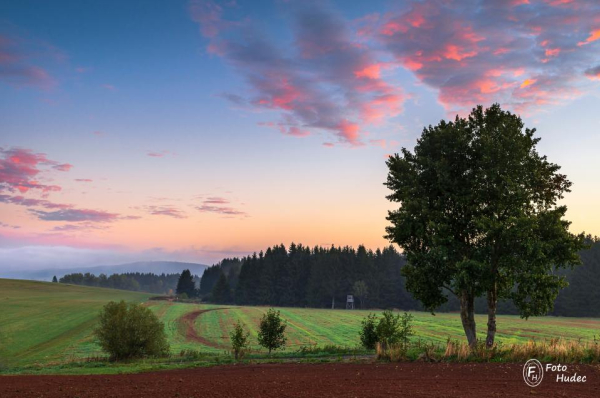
(333, 302)
(492, 301)
(467, 316)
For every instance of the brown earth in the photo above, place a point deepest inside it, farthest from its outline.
(415, 379)
(187, 322)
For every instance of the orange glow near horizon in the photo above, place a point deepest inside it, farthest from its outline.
(254, 125)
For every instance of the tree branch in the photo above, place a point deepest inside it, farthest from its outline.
(450, 290)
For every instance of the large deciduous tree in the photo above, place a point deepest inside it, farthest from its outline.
(479, 215)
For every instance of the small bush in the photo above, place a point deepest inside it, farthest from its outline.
(405, 329)
(239, 340)
(271, 332)
(390, 331)
(130, 331)
(368, 335)
(394, 329)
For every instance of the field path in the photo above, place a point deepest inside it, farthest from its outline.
(358, 380)
(191, 334)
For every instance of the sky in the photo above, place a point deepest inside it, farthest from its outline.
(195, 130)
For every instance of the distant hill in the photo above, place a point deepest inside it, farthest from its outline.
(156, 267)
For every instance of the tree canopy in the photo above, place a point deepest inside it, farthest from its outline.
(479, 216)
(130, 330)
(271, 333)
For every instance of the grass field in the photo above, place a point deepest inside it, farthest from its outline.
(48, 323)
(43, 322)
(340, 327)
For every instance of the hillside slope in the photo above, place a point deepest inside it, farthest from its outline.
(42, 321)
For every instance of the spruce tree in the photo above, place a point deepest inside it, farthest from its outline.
(221, 293)
(186, 284)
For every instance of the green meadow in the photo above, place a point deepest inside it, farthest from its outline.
(48, 324)
(307, 326)
(44, 322)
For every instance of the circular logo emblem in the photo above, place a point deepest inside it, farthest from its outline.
(533, 373)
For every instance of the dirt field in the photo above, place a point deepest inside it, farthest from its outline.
(310, 380)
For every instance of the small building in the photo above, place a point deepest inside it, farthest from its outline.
(349, 302)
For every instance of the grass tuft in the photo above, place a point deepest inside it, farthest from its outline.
(549, 350)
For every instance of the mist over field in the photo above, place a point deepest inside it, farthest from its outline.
(43, 262)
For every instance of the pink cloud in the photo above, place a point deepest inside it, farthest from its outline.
(63, 167)
(20, 169)
(4, 225)
(593, 73)
(479, 52)
(332, 77)
(215, 204)
(328, 81)
(527, 82)
(83, 180)
(228, 211)
(214, 200)
(84, 226)
(31, 202)
(209, 15)
(16, 65)
(594, 35)
(286, 129)
(109, 87)
(348, 131)
(372, 71)
(157, 154)
(75, 215)
(165, 211)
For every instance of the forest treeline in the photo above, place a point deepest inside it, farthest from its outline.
(136, 281)
(300, 276)
(320, 277)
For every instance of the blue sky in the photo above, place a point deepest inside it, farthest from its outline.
(199, 129)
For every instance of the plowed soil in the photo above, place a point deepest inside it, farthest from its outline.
(310, 380)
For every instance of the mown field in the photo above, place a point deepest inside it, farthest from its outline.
(48, 323)
(341, 327)
(44, 322)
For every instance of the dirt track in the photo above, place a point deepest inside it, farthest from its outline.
(191, 334)
(309, 380)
